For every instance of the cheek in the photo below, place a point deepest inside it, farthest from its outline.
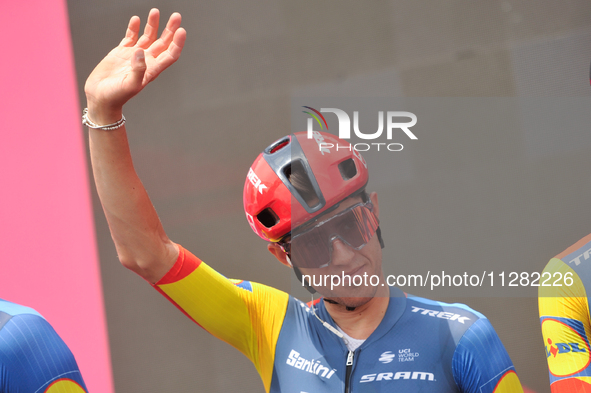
(373, 252)
(314, 272)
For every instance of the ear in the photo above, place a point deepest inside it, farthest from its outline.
(374, 200)
(278, 253)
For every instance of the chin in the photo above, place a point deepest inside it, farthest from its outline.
(352, 296)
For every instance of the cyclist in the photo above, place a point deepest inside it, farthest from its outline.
(313, 209)
(33, 358)
(564, 316)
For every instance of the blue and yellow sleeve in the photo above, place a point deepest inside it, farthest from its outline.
(33, 358)
(481, 363)
(246, 315)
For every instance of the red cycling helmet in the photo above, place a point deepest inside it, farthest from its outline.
(331, 168)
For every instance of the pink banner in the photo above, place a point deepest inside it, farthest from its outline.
(50, 258)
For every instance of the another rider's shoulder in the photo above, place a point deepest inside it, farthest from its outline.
(21, 324)
(13, 309)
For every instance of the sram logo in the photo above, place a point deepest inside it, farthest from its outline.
(441, 314)
(312, 366)
(420, 375)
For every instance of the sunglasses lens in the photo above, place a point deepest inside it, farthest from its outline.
(312, 249)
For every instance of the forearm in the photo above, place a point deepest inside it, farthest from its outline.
(142, 244)
(135, 227)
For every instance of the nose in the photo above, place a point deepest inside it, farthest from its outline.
(342, 254)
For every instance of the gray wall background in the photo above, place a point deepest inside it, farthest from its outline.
(514, 197)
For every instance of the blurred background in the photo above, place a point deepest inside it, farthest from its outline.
(478, 192)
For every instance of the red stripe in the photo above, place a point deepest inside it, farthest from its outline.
(500, 380)
(176, 305)
(184, 265)
(310, 304)
(63, 379)
(570, 385)
(574, 247)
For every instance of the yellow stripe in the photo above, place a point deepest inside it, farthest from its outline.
(509, 383)
(267, 319)
(563, 301)
(249, 321)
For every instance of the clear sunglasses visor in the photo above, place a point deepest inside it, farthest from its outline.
(355, 226)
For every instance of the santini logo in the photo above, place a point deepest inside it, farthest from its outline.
(345, 128)
(312, 366)
(387, 357)
(423, 376)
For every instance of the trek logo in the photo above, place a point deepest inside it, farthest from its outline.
(387, 357)
(254, 179)
(312, 366)
(406, 355)
(559, 348)
(577, 260)
(420, 375)
(441, 314)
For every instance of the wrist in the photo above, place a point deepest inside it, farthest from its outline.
(87, 121)
(102, 114)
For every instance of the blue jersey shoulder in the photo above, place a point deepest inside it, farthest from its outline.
(32, 354)
(479, 359)
(13, 309)
(458, 317)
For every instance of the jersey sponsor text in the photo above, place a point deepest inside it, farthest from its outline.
(419, 375)
(312, 366)
(441, 314)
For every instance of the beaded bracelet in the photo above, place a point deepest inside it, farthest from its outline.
(90, 124)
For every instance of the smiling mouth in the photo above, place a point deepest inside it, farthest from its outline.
(354, 271)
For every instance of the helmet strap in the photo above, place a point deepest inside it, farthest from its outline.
(379, 233)
(306, 284)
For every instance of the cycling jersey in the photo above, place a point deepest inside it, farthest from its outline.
(564, 315)
(33, 358)
(419, 346)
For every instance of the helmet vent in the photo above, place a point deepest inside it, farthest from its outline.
(297, 175)
(268, 218)
(280, 144)
(348, 169)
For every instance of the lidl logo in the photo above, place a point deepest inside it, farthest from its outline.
(567, 350)
(553, 349)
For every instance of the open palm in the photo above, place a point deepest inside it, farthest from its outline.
(137, 61)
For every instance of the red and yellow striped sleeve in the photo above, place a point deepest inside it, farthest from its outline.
(246, 315)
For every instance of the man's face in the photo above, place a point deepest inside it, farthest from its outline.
(347, 261)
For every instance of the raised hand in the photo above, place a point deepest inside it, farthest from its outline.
(128, 68)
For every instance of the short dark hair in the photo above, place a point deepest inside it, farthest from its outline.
(299, 179)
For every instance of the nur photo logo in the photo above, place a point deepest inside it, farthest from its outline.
(396, 123)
